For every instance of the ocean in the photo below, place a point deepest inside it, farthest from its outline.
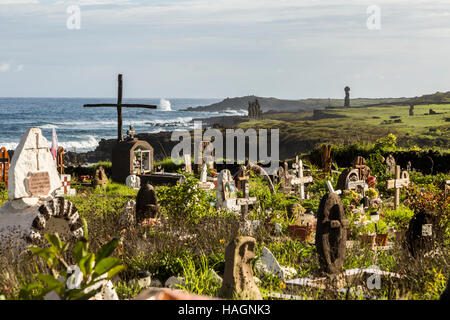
(80, 129)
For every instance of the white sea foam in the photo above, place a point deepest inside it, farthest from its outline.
(86, 143)
(165, 105)
(240, 112)
(48, 126)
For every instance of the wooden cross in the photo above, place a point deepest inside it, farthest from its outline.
(401, 180)
(300, 179)
(244, 202)
(4, 165)
(119, 105)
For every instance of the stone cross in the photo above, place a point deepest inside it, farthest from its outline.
(300, 179)
(401, 180)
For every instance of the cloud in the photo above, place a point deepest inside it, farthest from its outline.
(19, 68)
(19, 2)
(5, 67)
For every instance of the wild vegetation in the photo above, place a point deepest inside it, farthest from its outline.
(191, 237)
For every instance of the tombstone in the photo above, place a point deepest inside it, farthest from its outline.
(283, 179)
(390, 162)
(204, 183)
(300, 180)
(146, 203)
(326, 158)
(100, 179)
(347, 97)
(423, 233)
(359, 163)
(226, 191)
(187, 163)
(238, 276)
(349, 180)
(133, 182)
(128, 216)
(411, 109)
(4, 165)
(206, 150)
(22, 227)
(401, 180)
(66, 180)
(331, 234)
(131, 157)
(409, 166)
(32, 173)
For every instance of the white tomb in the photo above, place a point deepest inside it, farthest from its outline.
(133, 182)
(33, 180)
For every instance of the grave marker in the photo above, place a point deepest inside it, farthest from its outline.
(331, 233)
(238, 276)
(133, 182)
(38, 184)
(4, 165)
(390, 162)
(244, 202)
(401, 180)
(300, 179)
(204, 183)
(226, 191)
(187, 163)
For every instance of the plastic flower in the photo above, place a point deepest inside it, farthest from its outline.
(282, 285)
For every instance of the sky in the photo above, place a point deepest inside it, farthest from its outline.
(289, 49)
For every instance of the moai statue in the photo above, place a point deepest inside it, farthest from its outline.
(331, 234)
(238, 276)
(423, 233)
(390, 162)
(411, 109)
(347, 97)
(100, 178)
(146, 203)
(128, 216)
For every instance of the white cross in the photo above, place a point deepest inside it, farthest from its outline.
(300, 179)
(401, 180)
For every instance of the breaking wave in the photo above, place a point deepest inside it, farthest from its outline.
(165, 105)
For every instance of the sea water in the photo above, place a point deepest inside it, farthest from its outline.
(80, 129)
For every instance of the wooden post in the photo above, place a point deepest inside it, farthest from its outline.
(119, 110)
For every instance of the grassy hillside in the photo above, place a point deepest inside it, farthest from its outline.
(364, 125)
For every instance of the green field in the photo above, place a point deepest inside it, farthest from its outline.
(364, 125)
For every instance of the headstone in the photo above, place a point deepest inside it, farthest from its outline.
(187, 163)
(204, 183)
(269, 264)
(128, 216)
(359, 163)
(401, 180)
(66, 180)
(349, 180)
(146, 203)
(133, 182)
(390, 162)
(21, 227)
(33, 174)
(226, 191)
(4, 165)
(423, 233)
(100, 178)
(238, 276)
(331, 234)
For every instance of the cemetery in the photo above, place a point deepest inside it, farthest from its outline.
(372, 229)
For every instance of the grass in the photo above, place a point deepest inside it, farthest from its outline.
(191, 241)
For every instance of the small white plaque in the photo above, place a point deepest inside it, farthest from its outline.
(427, 230)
